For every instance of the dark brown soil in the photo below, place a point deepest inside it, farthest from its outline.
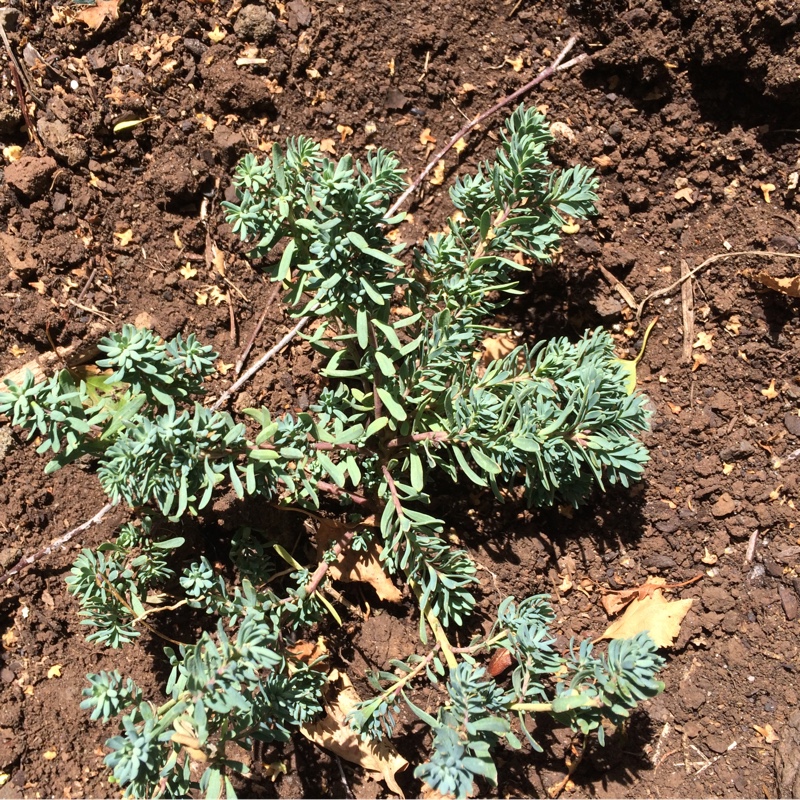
(686, 108)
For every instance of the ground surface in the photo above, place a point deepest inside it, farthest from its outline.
(685, 108)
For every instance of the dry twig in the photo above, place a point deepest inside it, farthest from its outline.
(687, 310)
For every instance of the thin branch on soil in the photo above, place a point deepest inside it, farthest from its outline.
(669, 289)
(556, 66)
(620, 287)
(223, 398)
(55, 544)
(687, 311)
(16, 74)
(259, 325)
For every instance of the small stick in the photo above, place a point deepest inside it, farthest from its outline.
(687, 310)
(302, 322)
(711, 260)
(542, 76)
(16, 74)
(620, 287)
(56, 543)
(259, 325)
(232, 316)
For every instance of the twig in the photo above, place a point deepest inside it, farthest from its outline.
(556, 66)
(223, 398)
(56, 543)
(259, 325)
(572, 765)
(751, 547)
(669, 289)
(687, 310)
(16, 74)
(620, 287)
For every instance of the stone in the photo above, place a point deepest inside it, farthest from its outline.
(254, 23)
(31, 175)
(792, 422)
(725, 506)
(717, 599)
(716, 743)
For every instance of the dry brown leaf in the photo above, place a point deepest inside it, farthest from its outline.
(685, 194)
(496, 347)
(426, 138)
(733, 325)
(94, 16)
(698, 359)
(187, 271)
(12, 153)
(124, 237)
(328, 146)
(674, 408)
(437, 179)
(771, 392)
(768, 732)
(709, 557)
(604, 162)
(335, 734)
(17, 351)
(766, 190)
(660, 617)
(790, 286)
(217, 35)
(516, 63)
(362, 566)
(308, 651)
(49, 755)
(54, 671)
(704, 340)
(344, 131)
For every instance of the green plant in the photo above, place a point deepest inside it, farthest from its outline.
(405, 394)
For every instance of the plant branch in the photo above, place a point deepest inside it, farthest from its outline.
(55, 544)
(556, 66)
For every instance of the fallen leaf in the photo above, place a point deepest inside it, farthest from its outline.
(766, 190)
(789, 285)
(49, 755)
(335, 734)
(344, 131)
(201, 298)
(604, 162)
(560, 130)
(12, 153)
(460, 145)
(426, 138)
(466, 88)
(217, 35)
(308, 651)
(274, 770)
(768, 732)
(17, 351)
(390, 65)
(207, 122)
(187, 271)
(727, 468)
(516, 63)
(685, 194)
(771, 392)
(496, 347)
(570, 227)
(776, 493)
(674, 408)
(54, 671)
(709, 557)
(704, 340)
(224, 368)
(328, 146)
(177, 239)
(9, 639)
(437, 178)
(94, 16)
(733, 325)
(39, 286)
(698, 360)
(124, 237)
(661, 618)
(361, 566)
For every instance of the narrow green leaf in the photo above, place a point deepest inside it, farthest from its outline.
(385, 364)
(484, 462)
(389, 332)
(392, 406)
(334, 470)
(286, 261)
(373, 293)
(375, 426)
(362, 329)
(417, 474)
(466, 468)
(361, 243)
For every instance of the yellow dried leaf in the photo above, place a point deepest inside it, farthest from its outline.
(39, 286)
(768, 732)
(604, 162)
(12, 153)
(344, 131)
(49, 755)
(709, 557)
(516, 63)
(390, 65)
(274, 770)
(437, 179)
(328, 146)
(9, 639)
(790, 285)
(313, 73)
(207, 122)
(124, 237)
(177, 239)
(94, 16)
(727, 468)
(661, 618)
(361, 566)
(674, 408)
(775, 494)
(733, 325)
(224, 368)
(217, 35)
(334, 733)
(460, 145)
(698, 360)
(766, 190)
(16, 350)
(187, 271)
(703, 340)
(496, 347)
(217, 296)
(570, 227)
(54, 671)
(771, 392)
(201, 298)
(426, 138)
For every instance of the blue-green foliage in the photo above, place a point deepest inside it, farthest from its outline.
(406, 394)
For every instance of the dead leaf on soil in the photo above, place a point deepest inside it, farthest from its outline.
(766, 190)
(496, 347)
(698, 360)
(328, 146)
(704, 340)
(516, 63)
(650, 611)
(344, 131)
(771, 392)
(685, 194)
(54, 671)
(789, 285)
(335, 734)
(437, 179)
(94, 16)
(124, 237)
(49, 755)
(217, 35)
(768, 732)
(363, 566)
(460, 145)
(426, 138)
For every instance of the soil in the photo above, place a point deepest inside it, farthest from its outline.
(687, 110)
